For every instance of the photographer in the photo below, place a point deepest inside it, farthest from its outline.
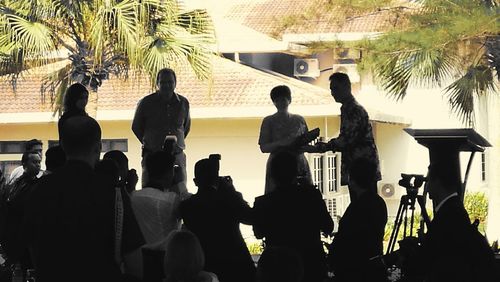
(452, 249)
(361, 230)
(213, 214)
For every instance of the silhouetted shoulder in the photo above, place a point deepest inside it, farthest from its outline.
(151, 98)
(182, 98)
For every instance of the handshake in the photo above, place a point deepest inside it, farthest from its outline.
(302, 142)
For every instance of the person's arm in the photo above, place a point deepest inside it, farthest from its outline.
(353, 124)
(138, 121)
(325, 220)
(258, 229)
(187, 120)
(132, 240)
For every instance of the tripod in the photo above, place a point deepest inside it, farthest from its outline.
(407, 203)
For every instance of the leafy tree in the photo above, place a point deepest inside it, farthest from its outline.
(451, 43)
(101, 38)
(442, 41)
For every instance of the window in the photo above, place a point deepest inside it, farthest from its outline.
(12, 147)
(107, 144)
(483, 166)
(331, 204)
(325, 171)
(332, 173)
(8, 166)
(317, 172)
(114, 144)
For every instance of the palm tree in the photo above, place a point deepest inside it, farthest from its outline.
(451, 42)
(99, 38)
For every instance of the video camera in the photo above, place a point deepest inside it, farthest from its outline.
(412, 182)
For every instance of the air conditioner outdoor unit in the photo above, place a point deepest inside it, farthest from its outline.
(306, 67)
(387, 190)
(349, 69)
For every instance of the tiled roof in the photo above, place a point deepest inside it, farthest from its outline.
(266, 16)
(232, 85)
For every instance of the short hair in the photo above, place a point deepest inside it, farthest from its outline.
(284, 167)
(281, 91)
(158, 163)
(107, 170)
(448, 174)
(184, 257)
(26, 157)
(280, 264)
(206, 171)
(341, 78)
(166, 71)
(54, 158)
(28, 145)
(364, 172)
(79, 134)
(74, 93)
(118, 156)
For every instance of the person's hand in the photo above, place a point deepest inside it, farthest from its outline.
(132, 178)
(321, 147)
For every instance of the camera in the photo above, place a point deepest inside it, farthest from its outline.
(224, 183)
(411, 181)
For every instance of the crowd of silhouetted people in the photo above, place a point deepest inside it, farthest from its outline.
(84, 219)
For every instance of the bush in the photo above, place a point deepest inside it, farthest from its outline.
(476, 205)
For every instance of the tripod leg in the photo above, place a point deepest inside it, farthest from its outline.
(397, 224)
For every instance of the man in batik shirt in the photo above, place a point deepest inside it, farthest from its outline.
(355, 140)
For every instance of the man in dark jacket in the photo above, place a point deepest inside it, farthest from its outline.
(70, 220)
(361, 230)
(453, 249)
(214, 214)
(293, 216)
(15, 202)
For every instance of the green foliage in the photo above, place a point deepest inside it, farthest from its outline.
(442, 41)
(476, 204)
(255, 247)
(102, 38)
(430, 44)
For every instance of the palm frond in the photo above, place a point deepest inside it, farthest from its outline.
(476, 82)
(54, 85)
(425, 68)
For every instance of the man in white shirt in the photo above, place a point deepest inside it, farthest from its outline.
(156, 206)
(33, 145)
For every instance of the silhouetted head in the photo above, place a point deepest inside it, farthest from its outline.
(76, 98)
(206, 173)
(107, 169)
(31, 163)
(166, 81)
(443, 179)
(160, 168)
(54, 158)
(121, 161)
(281, 97)
(184, 257)
(34, 145)
(280, 264)
(363, 175)
(340, 87)
(284, 169)
(80, 138)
